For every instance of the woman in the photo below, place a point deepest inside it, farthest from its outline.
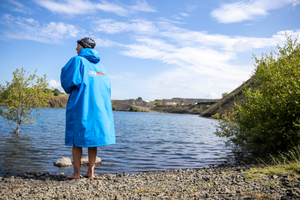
(89, 118)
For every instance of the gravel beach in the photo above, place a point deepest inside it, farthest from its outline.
(223, 182)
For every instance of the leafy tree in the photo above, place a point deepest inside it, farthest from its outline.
(56, 92)
(268, 120)
(139, 99)
(21, 97)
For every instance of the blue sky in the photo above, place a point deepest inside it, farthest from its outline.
(150, 49)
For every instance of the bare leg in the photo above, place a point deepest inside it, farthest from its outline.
(92, 160)
(77, 152)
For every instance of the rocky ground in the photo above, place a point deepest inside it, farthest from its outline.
(226, 182)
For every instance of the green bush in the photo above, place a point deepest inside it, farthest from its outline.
(216, 116)
(114, 107)
(207, 106)
(56, 92)
(61, 104)
(268, 120)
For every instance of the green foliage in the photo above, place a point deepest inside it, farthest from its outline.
(268, 120)
(114, 107)
(207, 106)
(139, 99)
(224, 94)
(216, 116)
(22, 96)
(134, 109)
(157, 103)
(61, 104)
(56, 92)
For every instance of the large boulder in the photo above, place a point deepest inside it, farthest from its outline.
(63, 162)
(85, 160)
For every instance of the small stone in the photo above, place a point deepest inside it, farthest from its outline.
(63, 162)
(85, 160)
(145, 198)
(110, 176)
(118, 197)
(284, 198)
(274, 176)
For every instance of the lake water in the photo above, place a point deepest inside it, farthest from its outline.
(145, 142)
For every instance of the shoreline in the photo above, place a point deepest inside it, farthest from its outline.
(221, 182)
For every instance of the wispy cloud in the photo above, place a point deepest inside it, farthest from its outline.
(30, 29)
(73, 7)
(112, 26)
(81, 7)
(248, 10)
(54, 84)
(15, 6)
(201, 59)
(143, 6)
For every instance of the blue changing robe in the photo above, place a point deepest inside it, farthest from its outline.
(89, 117)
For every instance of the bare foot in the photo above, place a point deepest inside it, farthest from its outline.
(73, 176)
(88, 175)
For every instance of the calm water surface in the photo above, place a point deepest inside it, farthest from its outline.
(145, 142)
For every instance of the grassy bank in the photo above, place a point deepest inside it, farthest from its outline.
(285, 163)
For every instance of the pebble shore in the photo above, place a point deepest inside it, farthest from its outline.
(223, 182)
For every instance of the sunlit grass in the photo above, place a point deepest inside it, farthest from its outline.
(286, 163)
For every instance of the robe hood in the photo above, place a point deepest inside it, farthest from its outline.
(90, 54)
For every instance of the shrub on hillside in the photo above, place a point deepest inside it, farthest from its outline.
(268, 120)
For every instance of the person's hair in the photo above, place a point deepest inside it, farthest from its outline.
(87, 42)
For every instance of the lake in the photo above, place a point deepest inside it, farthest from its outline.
(145, 142)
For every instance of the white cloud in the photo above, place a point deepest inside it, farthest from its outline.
(248, 10)
(204, 61)
(111, 26)
(184, 14)
(213, 95)
(54, 84)
(15, 6)
(81, 7)
(105, 42)
(73, 7)
(30, 29)
(143, 6)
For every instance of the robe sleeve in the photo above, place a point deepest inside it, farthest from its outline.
(71, 76)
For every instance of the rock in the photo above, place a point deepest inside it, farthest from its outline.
(118, 197)
(145, 198)
(85, 160)
(63, 162)
(284, 198)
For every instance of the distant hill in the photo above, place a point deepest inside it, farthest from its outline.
(58, 101)
(185, 101)
(227, 102)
